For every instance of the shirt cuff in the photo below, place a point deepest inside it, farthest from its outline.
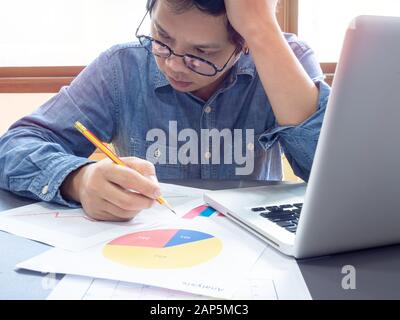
(46, 186)
(309, 128)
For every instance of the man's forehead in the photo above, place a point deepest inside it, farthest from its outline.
(204, 44)
(203, 29)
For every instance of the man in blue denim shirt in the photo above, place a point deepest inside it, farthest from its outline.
(192, 78)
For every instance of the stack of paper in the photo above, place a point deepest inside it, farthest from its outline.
(196, 254)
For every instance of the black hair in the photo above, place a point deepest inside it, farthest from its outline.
(212, 7)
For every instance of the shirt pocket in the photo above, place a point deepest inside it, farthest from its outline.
(159, 154)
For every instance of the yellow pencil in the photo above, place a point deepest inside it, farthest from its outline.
(93, 139)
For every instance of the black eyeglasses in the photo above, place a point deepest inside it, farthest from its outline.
(196, 64)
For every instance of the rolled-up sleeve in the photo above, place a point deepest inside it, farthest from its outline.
(299, 142)
(41, 149)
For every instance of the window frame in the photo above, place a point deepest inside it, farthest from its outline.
(51, 79)
(290, 23)
(36, 79)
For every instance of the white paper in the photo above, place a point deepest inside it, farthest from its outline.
(85, 288)
(285, 272)
(171, 191)
(218, 275)
(72, 229)
(274, 276)
(69, 229)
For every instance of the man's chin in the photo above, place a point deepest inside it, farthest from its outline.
(181, 86)
(184, 90)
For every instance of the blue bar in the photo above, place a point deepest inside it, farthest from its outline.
(207, 213)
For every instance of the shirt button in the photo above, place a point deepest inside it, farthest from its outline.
(208, 109)
(157, 153)
(207, 155)
(45, 190)
(250, 146)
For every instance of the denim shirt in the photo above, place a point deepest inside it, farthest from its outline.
(122, 95)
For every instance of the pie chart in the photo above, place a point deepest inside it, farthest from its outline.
(163, 249)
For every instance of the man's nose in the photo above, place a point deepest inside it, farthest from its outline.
(175, 63)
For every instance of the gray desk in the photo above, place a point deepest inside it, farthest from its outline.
(377, 270)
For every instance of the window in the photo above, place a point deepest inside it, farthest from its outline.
(64, 32)
(48, 42)
(323, 23)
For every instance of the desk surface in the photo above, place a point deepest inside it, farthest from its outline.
(377, 270)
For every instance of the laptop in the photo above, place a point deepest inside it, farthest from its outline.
(352, 199)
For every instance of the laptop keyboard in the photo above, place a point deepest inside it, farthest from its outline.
(286, 216)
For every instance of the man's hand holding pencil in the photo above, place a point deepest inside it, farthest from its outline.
(114, 189)
(105, 189)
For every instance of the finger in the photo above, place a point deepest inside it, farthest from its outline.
(129, 179)
(142, 166)
(104, 216)
(118, 212)
(124, 199)
(153, 178)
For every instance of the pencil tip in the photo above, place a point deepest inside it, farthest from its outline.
(170, 207)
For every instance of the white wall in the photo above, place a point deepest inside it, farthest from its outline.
(323, 23)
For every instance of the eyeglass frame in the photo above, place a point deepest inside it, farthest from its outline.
(172, 52)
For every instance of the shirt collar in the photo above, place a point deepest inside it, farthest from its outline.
(244, 69)
(159, 79)
(245, 66)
